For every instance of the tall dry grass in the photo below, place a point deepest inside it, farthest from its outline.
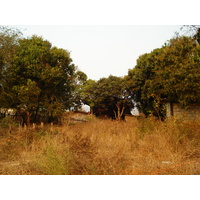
(103, 147)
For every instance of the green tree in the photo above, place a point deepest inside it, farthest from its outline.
(8, 44)
(108, 96)
(171, 73)
(87, 93)
(41, 79)
(180, 72)
(144, 85)
(193, 31)
(28, 96)
(80, 79)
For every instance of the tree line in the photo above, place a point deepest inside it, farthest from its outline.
(39, 80)
(167, 74)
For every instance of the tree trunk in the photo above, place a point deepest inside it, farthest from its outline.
(28, 118)
(119, 112)
(115, 114)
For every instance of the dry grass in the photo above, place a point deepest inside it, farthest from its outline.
(103, 147)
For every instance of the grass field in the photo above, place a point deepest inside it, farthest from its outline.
(143, 146)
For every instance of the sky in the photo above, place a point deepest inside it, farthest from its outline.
(103, 50)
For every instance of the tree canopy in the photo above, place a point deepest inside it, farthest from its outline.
(40, 80)
(108, 97)
(171, 73)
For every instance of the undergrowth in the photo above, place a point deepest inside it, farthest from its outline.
(103, 147)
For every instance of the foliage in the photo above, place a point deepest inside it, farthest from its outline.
(171, 73)
(8, 43)
(193, 31)
(181, 71)
(40, 80)
(108, 97)
(80, 79)
(7, 122)
(145, 86)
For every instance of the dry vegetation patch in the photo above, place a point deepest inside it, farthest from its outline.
(138, 146)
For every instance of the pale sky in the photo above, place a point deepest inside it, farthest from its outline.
(102, 50)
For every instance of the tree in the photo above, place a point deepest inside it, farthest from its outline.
(193, 31)
(180, 73)
(144, 85)
(8, 44)
(107, 97)
(87, 93)
(28, 96)
(171, 73)
(40, 80)
(80, 79)
(197, 35)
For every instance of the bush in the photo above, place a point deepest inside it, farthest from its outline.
(7, 122)
(53, 162)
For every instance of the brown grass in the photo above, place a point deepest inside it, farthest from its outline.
(103, 147)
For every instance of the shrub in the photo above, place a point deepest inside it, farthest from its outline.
(7, 122)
